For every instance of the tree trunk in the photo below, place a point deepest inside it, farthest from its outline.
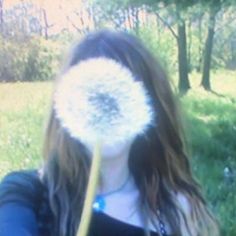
(232, 63)
(208, 50)
(189, 46)
(129, 23)
(199, 62)
(182, 55)
(46, 26)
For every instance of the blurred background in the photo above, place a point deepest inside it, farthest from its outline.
(195, 41)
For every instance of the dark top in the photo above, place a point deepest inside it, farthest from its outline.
(24, 210)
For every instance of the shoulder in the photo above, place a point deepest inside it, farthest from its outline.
(21, 186)
(183, 202)
(20, 196)
(188, 223)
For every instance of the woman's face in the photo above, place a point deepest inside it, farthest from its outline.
(111, 151)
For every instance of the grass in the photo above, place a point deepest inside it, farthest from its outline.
(211, 127)
(23, 108)
(210, 124)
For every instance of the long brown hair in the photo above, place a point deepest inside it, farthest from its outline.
(157, 161)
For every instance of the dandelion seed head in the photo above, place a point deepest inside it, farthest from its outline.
(99, 98)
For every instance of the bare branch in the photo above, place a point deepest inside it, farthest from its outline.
(167, 25)
(74, 25)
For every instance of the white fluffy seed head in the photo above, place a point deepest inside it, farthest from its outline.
(99, 98)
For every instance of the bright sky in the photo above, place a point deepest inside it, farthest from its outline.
(52, 6)
(47, 3)
(57, 10)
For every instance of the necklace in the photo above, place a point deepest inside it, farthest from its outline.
(100, 203)
(161, 224)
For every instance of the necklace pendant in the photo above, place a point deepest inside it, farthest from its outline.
(99, 203)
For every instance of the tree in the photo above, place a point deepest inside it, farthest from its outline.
(182, 51)
(225, 40)
(1, 15)
(214, 6)
(118, 14)
(46, 25)
(20, 21)
(180, 7)
(208, 46)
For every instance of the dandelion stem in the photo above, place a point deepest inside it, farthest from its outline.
(92, 183)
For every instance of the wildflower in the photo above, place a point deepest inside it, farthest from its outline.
(99, 98)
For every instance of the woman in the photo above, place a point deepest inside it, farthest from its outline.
(147, 183)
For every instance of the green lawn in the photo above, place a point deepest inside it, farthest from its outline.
(23, 109)
(210, 124)
(211, 128)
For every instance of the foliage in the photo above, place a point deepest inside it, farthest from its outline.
(22, 17)
(161, 45)
(28, 60)
(225, 40)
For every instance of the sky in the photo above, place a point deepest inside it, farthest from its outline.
(47, 3)
(57, 10)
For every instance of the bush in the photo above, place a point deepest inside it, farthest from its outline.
(28, 60)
